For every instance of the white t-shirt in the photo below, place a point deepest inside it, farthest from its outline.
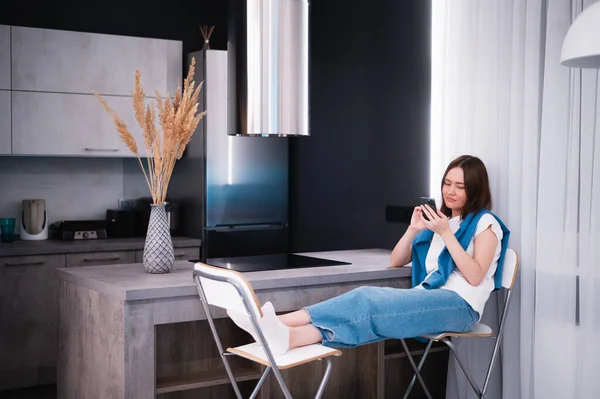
(476, 296)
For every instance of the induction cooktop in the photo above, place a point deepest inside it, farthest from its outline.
(270, 262)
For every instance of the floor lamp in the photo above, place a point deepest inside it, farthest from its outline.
(581, 46)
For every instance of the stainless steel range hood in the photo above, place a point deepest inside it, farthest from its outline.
(268, 68)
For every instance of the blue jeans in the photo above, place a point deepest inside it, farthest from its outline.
(370, 314)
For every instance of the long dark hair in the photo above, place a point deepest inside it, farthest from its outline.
(477, 185)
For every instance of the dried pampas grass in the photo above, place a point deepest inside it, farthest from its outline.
(178, 119)
(206, 33)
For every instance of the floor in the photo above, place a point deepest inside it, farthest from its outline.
(43, 392)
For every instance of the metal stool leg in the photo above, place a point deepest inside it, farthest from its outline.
(421, 362)
(284, 388)
(260, 382)
(463, 367)
(416, 370)
(325, 378)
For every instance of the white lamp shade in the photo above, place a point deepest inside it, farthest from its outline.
(581, 47)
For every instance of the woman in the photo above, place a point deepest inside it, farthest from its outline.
(457, 257)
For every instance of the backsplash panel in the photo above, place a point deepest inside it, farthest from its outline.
(74, 188)
(134, 183)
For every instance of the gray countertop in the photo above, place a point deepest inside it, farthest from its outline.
(130, 282)
(47, 247)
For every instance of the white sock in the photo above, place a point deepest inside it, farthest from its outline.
(276, 333)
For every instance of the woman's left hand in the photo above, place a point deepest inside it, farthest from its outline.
(438, 222)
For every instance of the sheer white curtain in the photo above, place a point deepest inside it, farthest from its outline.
(500, 93)
(567, 264)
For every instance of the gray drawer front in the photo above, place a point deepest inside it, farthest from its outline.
(33, 260)
(100, 258)
(28, 308)
(180, 254)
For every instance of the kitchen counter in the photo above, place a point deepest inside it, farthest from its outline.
(47, 247)
(109, 317)
(130, 282)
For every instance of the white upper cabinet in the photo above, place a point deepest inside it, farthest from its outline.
(5, 137)
(46, 60)
(4, 57)
(5, 134)
(70, 125)
(51, 75)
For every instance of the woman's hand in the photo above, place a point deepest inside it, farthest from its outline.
(438, 222)
(416, 220)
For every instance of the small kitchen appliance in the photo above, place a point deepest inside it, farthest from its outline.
(120, 223)
(81, 230)
(34, 220)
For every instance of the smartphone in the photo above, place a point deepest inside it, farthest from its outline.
(429, 201)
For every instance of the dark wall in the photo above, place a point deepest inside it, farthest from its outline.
(370, 89)
(175, 20)
(369, 144)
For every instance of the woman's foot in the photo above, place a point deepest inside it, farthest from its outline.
(275, 332)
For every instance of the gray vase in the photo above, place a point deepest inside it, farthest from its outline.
(159, 256)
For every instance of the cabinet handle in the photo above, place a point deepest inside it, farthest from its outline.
(32, 263)
(101, 259)
(180, 255)
(102, 149)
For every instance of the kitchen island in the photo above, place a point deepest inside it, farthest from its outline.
(123, 333)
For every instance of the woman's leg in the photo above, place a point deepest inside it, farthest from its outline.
(370, 314)
(304, 335)
(295, 319)
(290, 330)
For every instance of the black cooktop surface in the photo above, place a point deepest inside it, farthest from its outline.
(270, 262)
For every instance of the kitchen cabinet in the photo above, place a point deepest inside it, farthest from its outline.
(28, 310)
(4, 57)
(100, 258)
(70, 125)
(5, 122)
(52, 74)
(188, 253)
(5, 125)
(48, 60)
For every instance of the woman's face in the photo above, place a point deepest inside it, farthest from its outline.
(453, 190)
